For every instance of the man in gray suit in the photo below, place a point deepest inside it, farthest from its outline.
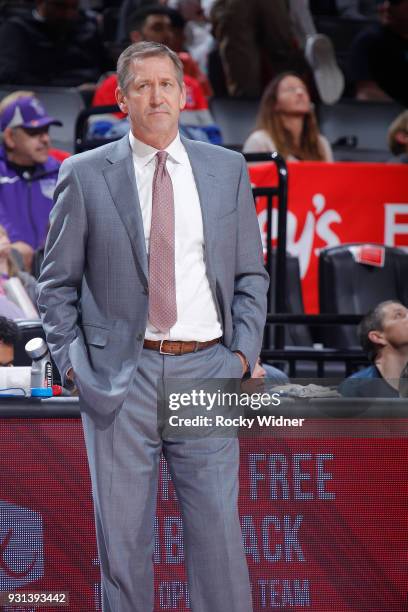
(116, 325)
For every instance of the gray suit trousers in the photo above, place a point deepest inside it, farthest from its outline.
(124, 451)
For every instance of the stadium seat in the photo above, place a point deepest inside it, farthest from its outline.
(358, 130)
(64, 103)
(355, 277)
(300, 337)
(235, 118)
(295, 335)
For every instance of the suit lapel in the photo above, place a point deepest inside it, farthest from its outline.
(121, 181)
(204, 177)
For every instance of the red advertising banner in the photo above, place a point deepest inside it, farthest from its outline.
(331, 204)
(325, 522)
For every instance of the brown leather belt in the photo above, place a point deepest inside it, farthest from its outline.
(178, 347)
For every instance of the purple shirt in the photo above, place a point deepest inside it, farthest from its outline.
(26, 200)
(9, 309)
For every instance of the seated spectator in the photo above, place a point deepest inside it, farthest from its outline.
(384, 337)
(379, 56)
(319, 52)
(287, 123)
(259, 40)
(128, 7)
(57, 45)
(153, 24)
(9, 334)
(180, 45)
(28, 173)
(398, 139)
(17, 299)
(145, 17)
(256, 42)
(197, 37)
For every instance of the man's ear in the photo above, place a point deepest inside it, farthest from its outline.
(8, 138)
(121, 100)
(183, 97)
(377, 337)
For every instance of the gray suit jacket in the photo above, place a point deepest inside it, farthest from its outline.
(93, 287)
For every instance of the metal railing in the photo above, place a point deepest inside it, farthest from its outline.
(351, 357)
(276, 302)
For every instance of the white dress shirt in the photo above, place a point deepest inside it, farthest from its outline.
(197, 317)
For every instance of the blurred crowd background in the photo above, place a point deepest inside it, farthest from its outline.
(314, 80)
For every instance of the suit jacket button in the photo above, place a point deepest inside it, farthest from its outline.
(140, 336)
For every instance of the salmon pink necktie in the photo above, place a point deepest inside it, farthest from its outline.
(162, 277)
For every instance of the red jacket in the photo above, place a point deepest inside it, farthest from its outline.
(105, 94)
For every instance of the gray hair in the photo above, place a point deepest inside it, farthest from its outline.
(142, 50)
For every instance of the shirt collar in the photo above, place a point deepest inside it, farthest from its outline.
(144, 153)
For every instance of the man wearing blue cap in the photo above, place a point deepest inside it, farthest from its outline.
(27, 172)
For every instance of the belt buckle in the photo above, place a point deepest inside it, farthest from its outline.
(161, 349)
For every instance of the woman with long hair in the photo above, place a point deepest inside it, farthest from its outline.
(286, 123)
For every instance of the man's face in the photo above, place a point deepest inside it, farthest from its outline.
(6, 354)
(153, 100)
(395, 325)
(156, 28)
(27, 146)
